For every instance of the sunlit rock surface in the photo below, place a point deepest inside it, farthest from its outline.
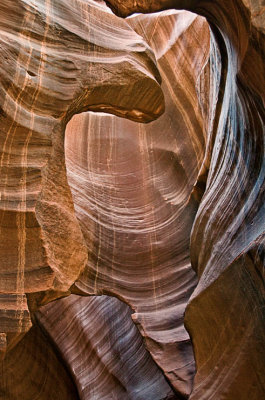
(225, 315)
(132, 186)
(166, 217)
(58, 58)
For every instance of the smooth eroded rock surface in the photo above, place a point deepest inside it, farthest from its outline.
(225, 315)
(58, 58)
(132, 188)
(103, 349)
(167, 217)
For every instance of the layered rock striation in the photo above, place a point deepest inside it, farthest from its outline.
(103, 349)
(166, 217)
(132, 188)
(225, 315)
(58, 58)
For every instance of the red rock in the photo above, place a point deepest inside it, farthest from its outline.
(132, 189)
(103, 349)
(150, 202)
(34, 370)
(58, 58)
(225, 315)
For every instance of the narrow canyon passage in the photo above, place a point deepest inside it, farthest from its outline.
(132, 219)
(132, 189)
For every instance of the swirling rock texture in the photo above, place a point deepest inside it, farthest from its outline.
(164, 211)
(86, 348)
(58, 58)
(225, 315)
(131, 187)
(103, 349)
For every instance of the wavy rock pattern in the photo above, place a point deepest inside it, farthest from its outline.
(103, 349)
(151, 201)
(58, 58)
(225, 316)
(132, 189)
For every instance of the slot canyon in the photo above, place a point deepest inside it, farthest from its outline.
(132, 206)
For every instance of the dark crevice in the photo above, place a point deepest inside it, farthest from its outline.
(58, 355)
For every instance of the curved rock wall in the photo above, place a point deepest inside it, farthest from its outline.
(33, 369)
(103, 349)
(58, 58)
(132, 189)
(171, 213)
(225, 315)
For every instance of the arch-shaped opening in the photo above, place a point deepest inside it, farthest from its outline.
(132, 189)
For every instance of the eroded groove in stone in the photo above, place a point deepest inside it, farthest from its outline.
(139, 191)
(58, 58)
(132, 188)
(225, 315)
(103, 349)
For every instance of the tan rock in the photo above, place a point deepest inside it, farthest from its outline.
(58, 58)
